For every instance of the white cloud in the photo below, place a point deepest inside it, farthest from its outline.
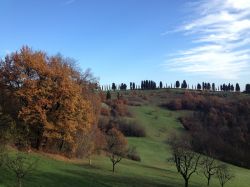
(221, 35)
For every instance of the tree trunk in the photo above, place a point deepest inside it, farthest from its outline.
(90, 162)
(38, 143)
(113, 168)
(208, 181)
(19, 183)
(186, 182)
(61, 146)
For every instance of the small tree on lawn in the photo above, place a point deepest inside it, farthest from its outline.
(224, 174)
(116, 146)
(186, 161)
(21, 166)
(209, 168)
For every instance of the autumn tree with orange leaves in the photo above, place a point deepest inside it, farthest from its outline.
(48, 98)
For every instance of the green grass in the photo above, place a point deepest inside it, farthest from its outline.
(153, 171)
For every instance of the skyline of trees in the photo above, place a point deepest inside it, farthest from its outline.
(151, 85)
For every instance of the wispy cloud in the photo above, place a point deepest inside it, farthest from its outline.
(220, 33)
(68, 2)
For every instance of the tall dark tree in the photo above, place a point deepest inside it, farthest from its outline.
(213, 87)
(208, 86)
(142, 85)
(248, 88)
(237, 87)
(232, 88)
(123, 86)
(161, 85)
(113, 86)
(184, 84)
(229, 87)
(198, 86)
(177, 84)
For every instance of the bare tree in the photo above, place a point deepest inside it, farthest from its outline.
(116, 146)
(21, 165)
(224, 174)
(209, 168)
(185, 159)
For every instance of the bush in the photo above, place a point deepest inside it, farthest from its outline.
(133, 154)
(131, 128)
(175, 104)
(127, 127)
(118, 107)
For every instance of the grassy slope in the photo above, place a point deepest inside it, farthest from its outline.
(154, 170)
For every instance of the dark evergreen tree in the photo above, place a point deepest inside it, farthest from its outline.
(213, 87)
(198, 86)
(232, 88)
(133, 86)
(248, 88)
(208, 87)
(177, 84)
(161, 85)
(142, 85)
(229, 87)
(123, 86)
(184, 84)
(237, 87)
(113, 86)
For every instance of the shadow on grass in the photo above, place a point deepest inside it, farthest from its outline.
(88, 176)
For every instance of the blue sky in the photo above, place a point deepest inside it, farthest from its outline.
(132, 40)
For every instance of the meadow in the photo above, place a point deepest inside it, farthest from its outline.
(154, 170)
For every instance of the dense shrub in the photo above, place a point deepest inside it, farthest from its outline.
(131, 128)
(174, 104)
(127, 127)
(118, 107)
(133, 154)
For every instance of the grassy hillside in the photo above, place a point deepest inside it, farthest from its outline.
(154, 169)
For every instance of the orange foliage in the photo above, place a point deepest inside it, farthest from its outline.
(50, 96)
